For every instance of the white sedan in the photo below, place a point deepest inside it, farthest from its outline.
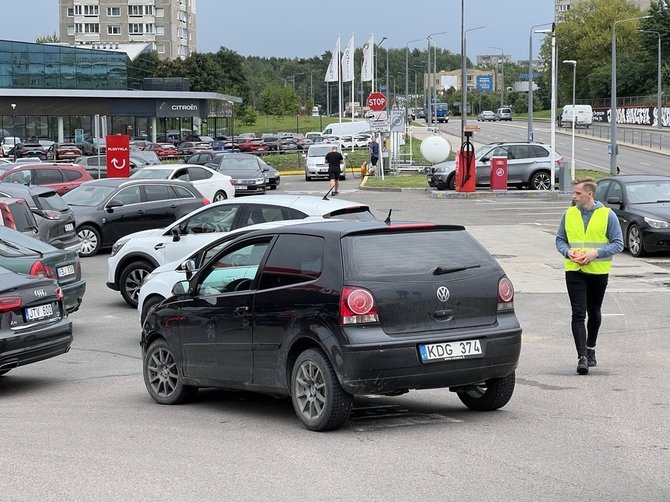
(212, 184)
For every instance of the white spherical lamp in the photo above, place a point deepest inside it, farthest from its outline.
(435, 149)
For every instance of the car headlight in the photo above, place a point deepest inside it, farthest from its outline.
(656, 223)
(117, 246)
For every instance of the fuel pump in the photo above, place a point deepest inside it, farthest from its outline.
(465, 167)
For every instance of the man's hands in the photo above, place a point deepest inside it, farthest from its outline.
(582, 257)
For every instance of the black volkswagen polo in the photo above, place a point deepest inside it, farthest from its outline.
(108, 209)
(327, 311)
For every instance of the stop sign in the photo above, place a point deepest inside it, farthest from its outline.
(376, 102)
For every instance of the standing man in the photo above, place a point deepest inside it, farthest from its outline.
(588, 236)
(334, 160)
(374, 154)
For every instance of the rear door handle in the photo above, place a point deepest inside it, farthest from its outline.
(241, 310)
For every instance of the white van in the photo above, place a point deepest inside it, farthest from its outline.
(347, 128)
(583, 116)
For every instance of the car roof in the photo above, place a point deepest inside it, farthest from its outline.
(633, 178)
(309, 204)
(117, 182)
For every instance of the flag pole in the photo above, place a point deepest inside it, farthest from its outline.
(339, 80)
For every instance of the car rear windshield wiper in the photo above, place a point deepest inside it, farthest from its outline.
(440, 270)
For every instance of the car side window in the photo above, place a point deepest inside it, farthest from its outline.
(46, 176)
(197, 173)
(181, 174)
(294, 259)
(538, 151)
(615, 191)
(233, 271)
(262, 214)
(158, 192)
(601, 190)
(183, 192)
(212, 219)
(23, 176)
(128, 195)
(71, 174)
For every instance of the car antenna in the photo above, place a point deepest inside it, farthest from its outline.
(388, 218)
(325, 197)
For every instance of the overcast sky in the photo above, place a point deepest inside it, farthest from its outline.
(305, 28)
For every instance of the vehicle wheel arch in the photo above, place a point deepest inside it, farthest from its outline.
(303, 342)
(133, 257)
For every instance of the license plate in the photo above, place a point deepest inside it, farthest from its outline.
(445, 351)
(64, 271)
(69, 227)
(241, 187)
(39, 312)
(323, 171)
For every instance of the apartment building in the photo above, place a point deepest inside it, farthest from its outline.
(562, 6)
(167, 24)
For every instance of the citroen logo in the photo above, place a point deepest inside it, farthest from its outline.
(40, 293)
(443, 293)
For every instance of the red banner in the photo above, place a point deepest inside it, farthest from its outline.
(118, 156)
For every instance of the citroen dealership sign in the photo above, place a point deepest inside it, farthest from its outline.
(177, 108)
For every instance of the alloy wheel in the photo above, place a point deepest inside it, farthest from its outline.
(310, 390)
(162, 372)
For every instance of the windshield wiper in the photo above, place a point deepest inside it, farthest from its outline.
(440, 270)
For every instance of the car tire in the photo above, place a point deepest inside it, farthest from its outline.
(318, 398)
(451, 182)
(131, 279)
(162, 375)
(219, 196)
(148, 306)
(491, 395)
(90, 240)
(541, 180)
(634, 241)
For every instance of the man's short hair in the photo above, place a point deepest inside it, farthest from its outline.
(588, 182)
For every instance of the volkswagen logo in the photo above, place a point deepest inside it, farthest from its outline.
(40, 293)
(443, 293)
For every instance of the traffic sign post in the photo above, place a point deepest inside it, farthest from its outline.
(118, 156)
(377, 102)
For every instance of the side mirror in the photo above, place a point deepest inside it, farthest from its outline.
(181, 288)
(112, 204)
(614, 200)
(188, 266)
(484, 159)
(175, 234)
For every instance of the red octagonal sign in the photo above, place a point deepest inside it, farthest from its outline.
(377, 102)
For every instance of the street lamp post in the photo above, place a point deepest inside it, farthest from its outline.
(464, 80)
(375, 62)
(552, 134)
(613, 108)
(14, 127)
(574, 117)
(658, 80)
(431, 77)
(502, 75)
(407, 78)
(530, 79)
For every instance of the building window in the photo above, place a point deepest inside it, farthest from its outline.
(70, 30)
(182, 33)
(160, 30)
(160, 48)
(149, 28)
(113, 11)
(135, 28)
(135, 10)
(91, 28)
(181, 16)
(78, 28)
(183, 50)
(77, 10)
(148, 10)
(160, 12)
(90, 10)
(70, 12)
(113, 29)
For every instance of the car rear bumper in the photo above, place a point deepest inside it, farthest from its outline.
(396, 367)
(34, 345)
(73, 294)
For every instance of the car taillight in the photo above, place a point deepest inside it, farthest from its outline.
(40, 269)
(357, 306)
(205, 201)
(9, 303)
(50, 214)
(59, 294)
(505, 295)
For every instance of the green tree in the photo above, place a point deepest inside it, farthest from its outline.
(48, 39)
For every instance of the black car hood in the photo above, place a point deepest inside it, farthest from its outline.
(658, 211)
(242, 173)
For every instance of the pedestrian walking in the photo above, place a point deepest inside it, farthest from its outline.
(374, 154)
(588, 236)
(334, 159)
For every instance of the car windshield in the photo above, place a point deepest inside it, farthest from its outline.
(88, 195)
(648, 192)
(319, 151)
(151, 174)
(240, 163)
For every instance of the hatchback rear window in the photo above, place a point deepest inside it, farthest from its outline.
(388, 256)
(50, 200)
(358, 213)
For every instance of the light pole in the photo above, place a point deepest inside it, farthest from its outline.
(14, 128)
(552, 134)
(613, 108)
(429, 118)
(464, 80)
(658, 80)
(530, 79)
(574, 116)
(502, 73)
(375, 61)
(407, 78)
